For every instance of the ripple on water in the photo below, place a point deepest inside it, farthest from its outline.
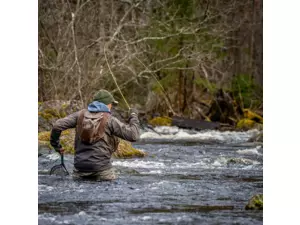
(174, 184)
(140, 164)
(42, 187)
(250, 151)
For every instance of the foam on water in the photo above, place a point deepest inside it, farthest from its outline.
(185, 165)
(155, 167)
(176, 134)
(43, 187)
(53, 156)
(153, 172)
(166, 130)
(140, 164)
(250, 151)
(170, 178)
(220, 162)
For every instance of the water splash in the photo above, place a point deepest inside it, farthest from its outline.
(250, 151)
(177, 134)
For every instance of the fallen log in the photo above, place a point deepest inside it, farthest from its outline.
(194, 124)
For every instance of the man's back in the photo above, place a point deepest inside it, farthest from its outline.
(95, 156)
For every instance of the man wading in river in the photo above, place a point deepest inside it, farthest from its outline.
(96, 137)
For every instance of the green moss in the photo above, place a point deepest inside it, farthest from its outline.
(49, 114)
(161, 121)
(64, 106)
(53, 112)
(245, 124)
(44, 136)
(126, 150)
(251, 120)
(62, 113)
(67, 137)
(46, 116)
(252, 116)
(256, 202)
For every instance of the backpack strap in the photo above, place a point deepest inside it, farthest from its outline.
(101, 129)
(80, 120)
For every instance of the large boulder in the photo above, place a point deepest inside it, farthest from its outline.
(194, 124)
(182, 122)
(160, 121)
(239, 161)
(245, 124)
(125, 149)
(66, 140)
(252, 116)
(250, 120)
(256, 202)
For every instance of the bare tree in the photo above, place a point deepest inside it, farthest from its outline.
(180, 51)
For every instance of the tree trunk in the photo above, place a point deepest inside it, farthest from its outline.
(41, 90)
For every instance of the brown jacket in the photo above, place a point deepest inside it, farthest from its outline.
(96, 157)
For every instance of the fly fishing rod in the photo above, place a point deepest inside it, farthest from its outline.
(115, 80)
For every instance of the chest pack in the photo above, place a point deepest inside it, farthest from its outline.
(91, 126)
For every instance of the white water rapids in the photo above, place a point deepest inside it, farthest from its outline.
(187, 177)
(176, 134)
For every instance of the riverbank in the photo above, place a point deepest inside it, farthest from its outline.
(50, 111)
(161, 128)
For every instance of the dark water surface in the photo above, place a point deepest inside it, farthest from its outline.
(180, 183)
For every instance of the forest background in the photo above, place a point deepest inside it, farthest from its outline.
(200, 59)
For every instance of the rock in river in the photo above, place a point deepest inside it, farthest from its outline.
(256, 202)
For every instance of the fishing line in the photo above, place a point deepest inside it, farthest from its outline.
(114, 78)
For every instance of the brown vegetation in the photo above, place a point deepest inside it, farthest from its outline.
(169, 56)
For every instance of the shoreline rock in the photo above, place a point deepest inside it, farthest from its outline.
(50, 111)
(125, 149)
(250, 120)
(255, 203)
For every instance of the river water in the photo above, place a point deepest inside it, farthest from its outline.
(188, 177)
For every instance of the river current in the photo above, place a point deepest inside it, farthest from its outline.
(187, 177)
